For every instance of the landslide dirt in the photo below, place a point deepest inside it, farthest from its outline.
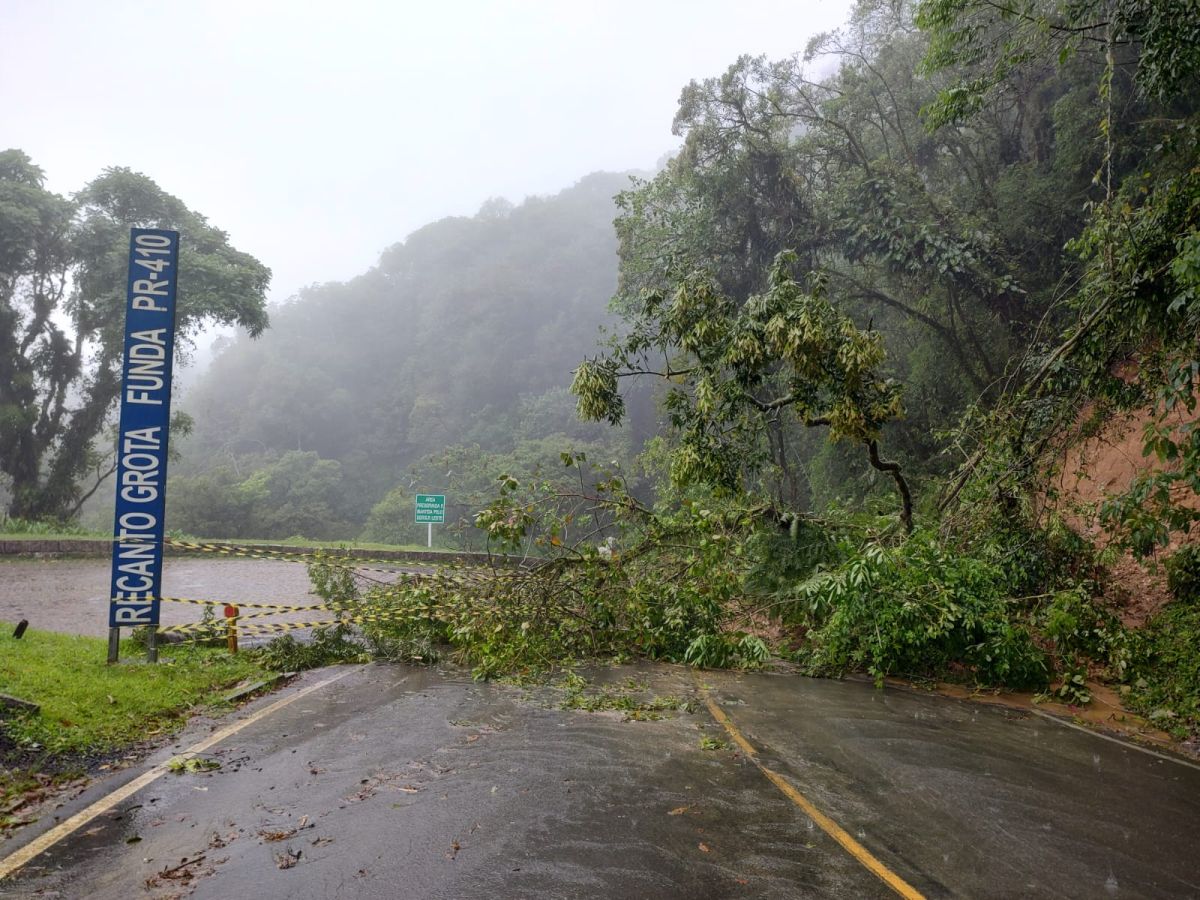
(1102, 465)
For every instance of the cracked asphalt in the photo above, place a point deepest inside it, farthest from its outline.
(398, 782)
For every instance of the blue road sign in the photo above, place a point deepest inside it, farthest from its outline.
(145, 418)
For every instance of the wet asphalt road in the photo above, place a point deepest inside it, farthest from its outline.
(71, 595)
(412, 783)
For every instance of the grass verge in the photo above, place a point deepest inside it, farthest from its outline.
(90, 709)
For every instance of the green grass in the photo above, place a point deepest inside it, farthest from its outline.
(25, 531)
(88, 706)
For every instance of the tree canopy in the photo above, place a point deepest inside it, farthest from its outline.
(735, 373)
(62, 302)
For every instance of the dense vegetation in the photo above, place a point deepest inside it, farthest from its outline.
(974, 242)
(854, 324)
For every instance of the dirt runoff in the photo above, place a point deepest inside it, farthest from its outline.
(71, 595)
(1105, 465)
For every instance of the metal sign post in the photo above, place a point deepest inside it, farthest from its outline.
(430, 510)
(142, 439)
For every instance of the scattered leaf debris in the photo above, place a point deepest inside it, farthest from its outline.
(192, 764)
(184, 872)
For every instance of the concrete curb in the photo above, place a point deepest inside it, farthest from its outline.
(273, 681)
(10, 704)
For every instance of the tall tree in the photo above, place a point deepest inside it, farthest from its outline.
(944, 235)
(62, 301)
(734, 372)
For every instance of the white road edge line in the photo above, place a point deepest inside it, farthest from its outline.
(39, 845)
(1128, 744)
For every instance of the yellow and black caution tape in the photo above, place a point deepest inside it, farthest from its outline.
(457, 573)
(275, 609)
(330, 558)
(274, 555)
(360, 617)
(395, 592)
(266, 614)
(217, 628)
(279, 607)
(273, 627)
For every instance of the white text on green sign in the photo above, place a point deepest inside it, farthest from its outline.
(431, 508)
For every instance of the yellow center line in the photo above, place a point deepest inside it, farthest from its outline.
(39, 845)
(826, 824)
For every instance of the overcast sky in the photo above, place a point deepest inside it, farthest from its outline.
(317, 134)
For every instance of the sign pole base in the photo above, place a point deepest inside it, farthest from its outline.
(430, 543)
(152, 644)
(114, 645)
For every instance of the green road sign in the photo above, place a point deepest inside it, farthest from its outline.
(431, 508)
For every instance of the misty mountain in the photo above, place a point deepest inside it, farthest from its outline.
(464, 333)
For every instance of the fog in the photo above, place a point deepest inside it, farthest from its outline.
(319, 134)
(358, 151)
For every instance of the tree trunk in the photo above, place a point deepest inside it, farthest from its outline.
(893, 469)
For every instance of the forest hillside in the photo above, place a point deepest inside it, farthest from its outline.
(445, 363)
